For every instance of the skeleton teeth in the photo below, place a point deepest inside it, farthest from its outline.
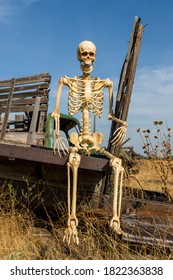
(87, 65)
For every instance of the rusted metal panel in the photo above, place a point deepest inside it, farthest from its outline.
(148, 222)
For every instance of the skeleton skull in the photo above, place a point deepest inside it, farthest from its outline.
(86, 54)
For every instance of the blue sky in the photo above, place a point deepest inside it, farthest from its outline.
(40, 36)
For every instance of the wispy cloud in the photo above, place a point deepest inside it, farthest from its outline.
(29, 2)
(151, 100)
(153, 92)
(9, 9)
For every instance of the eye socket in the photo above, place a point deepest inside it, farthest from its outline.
(91, 53)
(84, 53)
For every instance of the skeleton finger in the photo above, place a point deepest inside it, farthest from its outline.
(60, 146)
(67, 236)
(119, 136)
(56, 148)
(71, 233)
(64, 146)
(118, 139)
(121, 128)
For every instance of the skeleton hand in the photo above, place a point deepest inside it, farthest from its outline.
(119, 135)
(60, 145)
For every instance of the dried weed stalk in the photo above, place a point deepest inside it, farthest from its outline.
(157, 149)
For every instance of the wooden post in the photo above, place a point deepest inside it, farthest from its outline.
(31, 133)
(7, 111)
(126, 81)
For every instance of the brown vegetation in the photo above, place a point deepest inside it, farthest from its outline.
(23, 236)
(152, 175)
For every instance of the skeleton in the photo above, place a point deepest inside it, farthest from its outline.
(86, 95)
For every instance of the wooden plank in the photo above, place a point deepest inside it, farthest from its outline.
(7, 110)
(28, 79)
(126, 82)
(24, 101)
(19, 122)
(18, 109)
(27, 87)
(41, 122)
(132, 72)
(32, 130)
(20, 137)
(126, 61)
(47, 156)
(26, 94)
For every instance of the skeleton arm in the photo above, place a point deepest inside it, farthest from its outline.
(119, 133)
(111, 117)
(56, 113)
(60, 143)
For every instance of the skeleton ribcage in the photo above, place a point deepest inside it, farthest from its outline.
(87, 94)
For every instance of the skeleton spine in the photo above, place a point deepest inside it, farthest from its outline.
(85, 122)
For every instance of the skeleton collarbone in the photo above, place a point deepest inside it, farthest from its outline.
(86, 95)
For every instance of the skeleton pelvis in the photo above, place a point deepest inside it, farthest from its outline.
(87, 142)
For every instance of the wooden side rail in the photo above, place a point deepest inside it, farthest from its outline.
(23, 107)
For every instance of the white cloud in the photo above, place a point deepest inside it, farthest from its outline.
(28, 2)
(9, 9)
(153, 92)
(151, 100)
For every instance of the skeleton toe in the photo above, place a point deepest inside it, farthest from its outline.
(71, 233)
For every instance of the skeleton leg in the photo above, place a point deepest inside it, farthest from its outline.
(71, 231)
(118, 170)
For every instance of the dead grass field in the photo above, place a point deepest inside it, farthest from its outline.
(23, 237)
(151, 175)
(21, 240)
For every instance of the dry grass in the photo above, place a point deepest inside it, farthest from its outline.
(145, 174)
(24, 237)
(157, 148)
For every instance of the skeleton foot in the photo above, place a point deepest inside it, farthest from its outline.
(60, 146)
(71, 232)
(115, 225)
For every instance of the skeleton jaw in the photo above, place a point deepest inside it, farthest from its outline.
(86, 67)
